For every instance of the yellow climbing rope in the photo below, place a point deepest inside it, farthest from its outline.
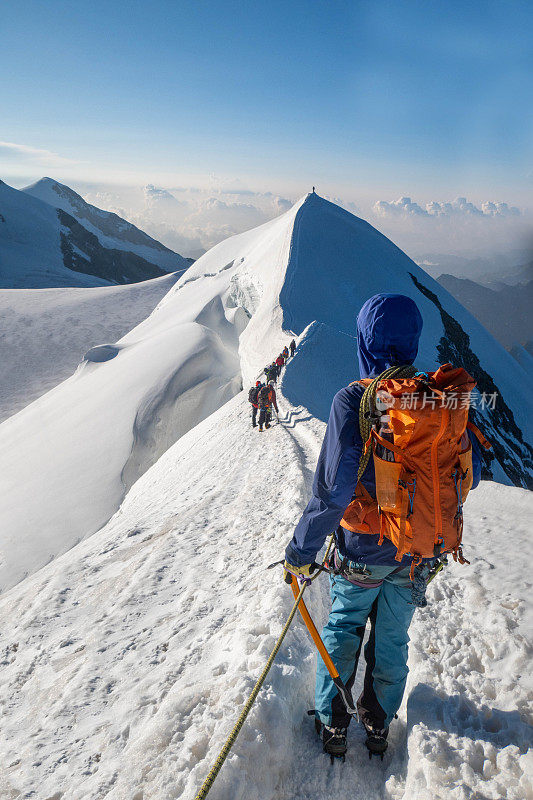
(228, 744)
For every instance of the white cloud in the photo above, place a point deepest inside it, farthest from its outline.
(196, 221)
(155, 196)
(500, 210)
(282, 204)
(458, 227)
(190, 219)
(34, 155)
(405, 207)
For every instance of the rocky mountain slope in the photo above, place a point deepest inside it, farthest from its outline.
(50, 237)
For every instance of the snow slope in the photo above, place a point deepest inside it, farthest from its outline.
(112, 419)
(125, 662)
(337, 261)
(45, 332)
(308, 270)
(50, 237)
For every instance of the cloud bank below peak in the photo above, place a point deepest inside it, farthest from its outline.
(191, 220)
(406, 207)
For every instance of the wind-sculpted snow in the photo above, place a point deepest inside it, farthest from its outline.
(45, 333)
(67, 459)
(126, 662)
(100, 353)
(191, 394)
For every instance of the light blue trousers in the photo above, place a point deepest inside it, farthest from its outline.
(390, 610)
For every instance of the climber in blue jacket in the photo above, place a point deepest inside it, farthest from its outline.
(372, 585)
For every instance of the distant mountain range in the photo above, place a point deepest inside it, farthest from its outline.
(508, 276)
(508, 268)
(50, 237)
(504, 310)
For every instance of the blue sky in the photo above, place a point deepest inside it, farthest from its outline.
(424, 98)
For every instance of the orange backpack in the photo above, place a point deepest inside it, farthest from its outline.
(420, 494)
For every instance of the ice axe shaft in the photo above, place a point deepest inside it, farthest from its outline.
(342, 689)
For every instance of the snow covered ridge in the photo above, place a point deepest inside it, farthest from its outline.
(67, 460)
(336, 262)
(49, 237)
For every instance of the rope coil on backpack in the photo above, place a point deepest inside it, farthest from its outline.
(367, 408)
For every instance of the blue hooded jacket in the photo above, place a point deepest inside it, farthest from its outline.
(388, 331)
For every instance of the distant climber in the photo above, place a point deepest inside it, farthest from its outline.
(313, 189)
(266, 399)
(292, 347)
(285, 353)
(380, 575)
(272, 372)
(267, 371)
(279, 363)
(252, 399)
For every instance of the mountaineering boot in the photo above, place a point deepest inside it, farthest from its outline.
(333, 740)
(260, 429)
(267, 424)
(376, 738)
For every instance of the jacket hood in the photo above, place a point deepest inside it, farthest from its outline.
(388, 331)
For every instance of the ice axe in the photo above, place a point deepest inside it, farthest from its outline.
(297, 590)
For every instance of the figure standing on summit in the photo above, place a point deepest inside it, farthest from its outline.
(376, 575)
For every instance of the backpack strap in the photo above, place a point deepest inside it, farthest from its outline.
(479, 436)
